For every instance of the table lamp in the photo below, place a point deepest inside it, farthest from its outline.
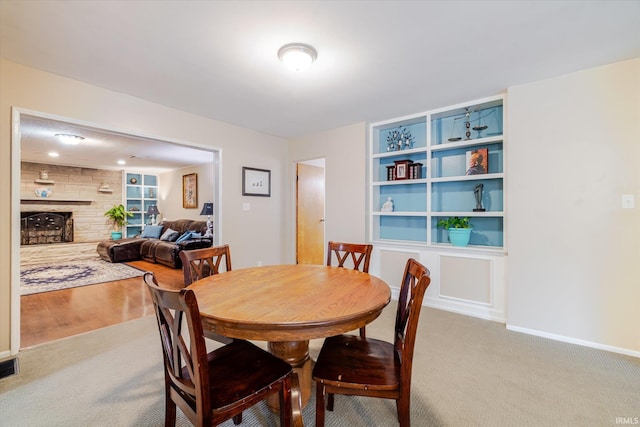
(153, 211)
(207, 209)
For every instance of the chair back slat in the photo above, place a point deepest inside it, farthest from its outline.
(358, 254)
(415, 281)
(186, 367)
(199, 263)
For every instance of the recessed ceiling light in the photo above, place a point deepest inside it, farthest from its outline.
(69, 139)
(122, 162)
(297, 56)
(53, 154)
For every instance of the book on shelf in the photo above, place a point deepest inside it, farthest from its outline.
(477, 161)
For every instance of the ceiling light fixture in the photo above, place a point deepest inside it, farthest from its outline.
(122, 162)
(53, 154)
(297, 56)
(69, 139)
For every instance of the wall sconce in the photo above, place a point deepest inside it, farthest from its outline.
(207, 209)
(153, 211)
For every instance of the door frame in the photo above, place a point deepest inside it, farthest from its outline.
(16, 172)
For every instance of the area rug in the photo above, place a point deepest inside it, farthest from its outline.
(71, 274)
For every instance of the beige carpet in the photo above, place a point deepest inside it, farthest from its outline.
(467, 372)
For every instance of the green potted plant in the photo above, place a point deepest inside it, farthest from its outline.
(118, 216)
(459, 229)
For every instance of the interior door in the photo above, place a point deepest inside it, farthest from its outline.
(309, 214)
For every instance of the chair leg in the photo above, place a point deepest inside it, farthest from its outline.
(237, 419)
(320, 391)
(363, 332)
(330, 402)
(285, 403)
(169, 411)
(404, 411)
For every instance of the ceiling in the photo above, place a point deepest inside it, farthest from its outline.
(376, 59)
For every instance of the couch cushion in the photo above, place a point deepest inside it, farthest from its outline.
(182, 225)
(170, 235)
(185, 236)
(152, 231)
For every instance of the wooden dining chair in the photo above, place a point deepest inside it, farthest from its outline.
(210, 388)
(200, 263)
(353, 255)
(353, 365)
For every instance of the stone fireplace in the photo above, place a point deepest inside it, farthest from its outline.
(38, 228)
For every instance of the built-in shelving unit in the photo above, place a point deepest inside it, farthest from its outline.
(141, 191)
(441, 143)
(441, 146)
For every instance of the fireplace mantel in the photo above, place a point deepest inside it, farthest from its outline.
(56, 200)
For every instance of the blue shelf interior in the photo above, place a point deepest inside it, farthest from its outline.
(403, 228)
(133, 231)
(449, 163)
(458, 196)
(453, 126)
(151, 180)
(418, 132)
(406, 197)
(389, 161)
(487, 231)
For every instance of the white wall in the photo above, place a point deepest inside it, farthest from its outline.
(574, 253)
(253, 235)
(344, 151)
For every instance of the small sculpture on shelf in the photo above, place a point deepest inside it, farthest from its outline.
(387, 206)
(399, 139)
(477, 192)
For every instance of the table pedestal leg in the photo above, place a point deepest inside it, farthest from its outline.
(296, 353)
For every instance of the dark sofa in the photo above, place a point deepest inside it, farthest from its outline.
(155, 250)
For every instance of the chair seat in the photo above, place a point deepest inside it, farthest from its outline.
(239, 370)
(359, 363)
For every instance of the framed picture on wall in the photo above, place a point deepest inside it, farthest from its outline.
(256, 182)
(190, 191)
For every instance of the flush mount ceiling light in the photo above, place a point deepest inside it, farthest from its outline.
(69, 139)
(297, 56)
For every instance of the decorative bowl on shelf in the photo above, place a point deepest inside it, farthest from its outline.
(43, 192)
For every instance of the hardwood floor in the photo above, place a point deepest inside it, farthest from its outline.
(53, 315)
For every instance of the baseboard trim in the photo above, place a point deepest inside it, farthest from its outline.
(570, 340)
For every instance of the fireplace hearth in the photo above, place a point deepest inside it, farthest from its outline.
(41, 228)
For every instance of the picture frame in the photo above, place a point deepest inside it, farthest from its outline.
(256, 182)
(402, 169)
(190, 191)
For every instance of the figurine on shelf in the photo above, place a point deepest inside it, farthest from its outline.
(44, 175)
(387, 206)
(477, 192)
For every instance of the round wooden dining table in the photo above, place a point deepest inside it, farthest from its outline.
(287, 305)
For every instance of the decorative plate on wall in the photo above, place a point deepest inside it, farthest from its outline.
(43, 192)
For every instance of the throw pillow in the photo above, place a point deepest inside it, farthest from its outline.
(195, 235)
(152, 231)
(170, 235)
(185, 236)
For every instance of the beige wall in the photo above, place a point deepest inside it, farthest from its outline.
(170, 197)
(574, 253)
(254, 236)
(344, 151)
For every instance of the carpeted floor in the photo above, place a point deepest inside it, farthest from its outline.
(467, 372)
(70, 274)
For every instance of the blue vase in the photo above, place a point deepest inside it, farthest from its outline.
(459, 236)
(116, 235)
